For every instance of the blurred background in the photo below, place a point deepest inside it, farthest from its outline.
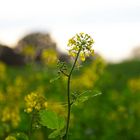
(34, 35)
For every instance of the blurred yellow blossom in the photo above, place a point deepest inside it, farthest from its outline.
(34, 101)
(29, 51)
(89, 75)
(49, 56)
(10, 138)
(81, 42)
(57, 107)
(10, 114)
(121, 109)
(134, 84)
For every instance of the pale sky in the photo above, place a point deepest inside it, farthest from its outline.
(114, 24)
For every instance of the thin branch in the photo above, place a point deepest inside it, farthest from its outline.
(64, 73)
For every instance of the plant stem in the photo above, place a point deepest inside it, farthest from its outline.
(68, 95)
(31, 123)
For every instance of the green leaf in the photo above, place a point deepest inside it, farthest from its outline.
(54, 134)
(51, 120)
(61, 123)
(48, 119)
(86, 95)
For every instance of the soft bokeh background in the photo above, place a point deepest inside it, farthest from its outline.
(33, 36)
(113, 24)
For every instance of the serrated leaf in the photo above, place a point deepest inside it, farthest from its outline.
(83, 97)
(51, 120)
(48, 119)
(54, 134)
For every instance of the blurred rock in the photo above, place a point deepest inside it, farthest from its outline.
(32, 45)
(9, 56)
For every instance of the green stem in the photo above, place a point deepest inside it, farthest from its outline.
(31, 123)
(68, 95)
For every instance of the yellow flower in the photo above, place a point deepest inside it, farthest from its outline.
(29, 110)
(134, 84)
(38, 106)
(81, 42)
(34, 101)
(49, 57)
(45, 104)
(82, 56)
(11, 115)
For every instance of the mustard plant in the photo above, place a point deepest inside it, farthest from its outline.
(78, 46)
(34, 103)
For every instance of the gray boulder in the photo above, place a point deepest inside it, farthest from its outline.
(10, 57)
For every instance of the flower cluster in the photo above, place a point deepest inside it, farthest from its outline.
(81, 42)
(35, 101)
(11, 115)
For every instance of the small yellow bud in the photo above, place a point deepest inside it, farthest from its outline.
(38, 107)
(82, 56)
(45, 104)
(29, 110)
(92, 52)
